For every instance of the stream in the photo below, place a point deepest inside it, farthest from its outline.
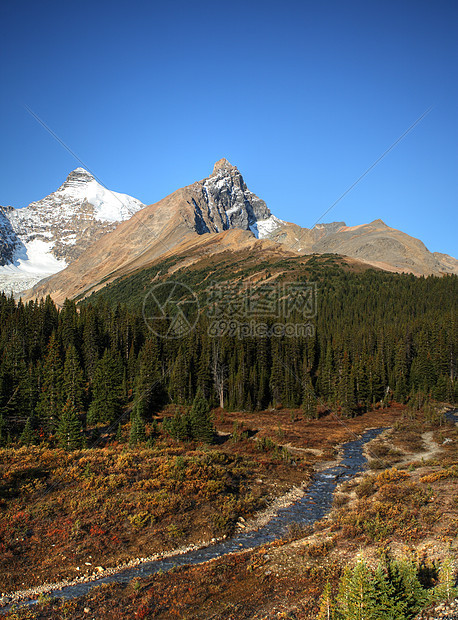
(452, 416)
(314, 505)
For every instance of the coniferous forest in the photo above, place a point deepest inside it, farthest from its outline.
(377, 337)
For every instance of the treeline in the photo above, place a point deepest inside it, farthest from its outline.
(377, 337)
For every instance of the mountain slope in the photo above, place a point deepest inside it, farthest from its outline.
(215, 204)
(219, 203)
(376, 243)
(42, 238)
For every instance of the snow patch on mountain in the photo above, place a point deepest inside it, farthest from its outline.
(40, 239)
(262, 229)
(109, 206)
(32, 262)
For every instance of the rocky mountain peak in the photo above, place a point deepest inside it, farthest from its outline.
(77, 178)
(379, 223)
(224, 165)
(224, 202)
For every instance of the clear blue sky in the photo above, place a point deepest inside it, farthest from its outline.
(301, 96)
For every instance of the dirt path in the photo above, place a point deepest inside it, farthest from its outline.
(431, 449)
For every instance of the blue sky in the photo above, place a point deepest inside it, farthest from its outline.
(302, 96)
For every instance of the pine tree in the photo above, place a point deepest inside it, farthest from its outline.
(73, 382)
(309, 402)
(178, 427)
(386, 607)
(343, 595)
(107, 389)
(69, 428)
(178, 378)
(408, 595)
(326, 609)
(137, 430)
(445, 590)
(50, 403)
(357, 594)
(400, 374)
(3, 431)
(28, 435)
(119, 433)
(147, 385)
(201, 424)
(68, 324)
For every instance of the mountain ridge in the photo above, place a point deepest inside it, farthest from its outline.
(221, 202)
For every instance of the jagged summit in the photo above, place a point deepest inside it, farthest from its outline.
(223, 164)
(77, 178)
(223, 201)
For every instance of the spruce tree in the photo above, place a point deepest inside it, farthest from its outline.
(108, 398)
(73, 383)
(178, 427)
(408, 594)
(28, 435)
(309, 401)
(201, 424)
(137, 430)
(69, 428)
(50, 403)
(119, 433)
(3, 431)
(445, 590)
(147, 385)
(326, 609)
(357, 594)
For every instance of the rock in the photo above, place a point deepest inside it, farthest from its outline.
(99, 569)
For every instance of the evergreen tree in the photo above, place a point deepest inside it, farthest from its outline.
(50, 402)
(408, 595)
(73, 382)
(178, 427)
(68, 324)
(179, 378)
(3, 431)
(361, 594)
(445, 590)
(201, 424)
(108, 398)
(137, 430)
(119, 433)
(69, 428)
(148, 387)
(309, 402)
(326, 609)
(28, 435)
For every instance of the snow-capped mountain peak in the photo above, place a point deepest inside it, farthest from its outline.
(109, 206)
(40, 239)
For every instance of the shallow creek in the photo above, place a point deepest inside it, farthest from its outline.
(315, 504)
